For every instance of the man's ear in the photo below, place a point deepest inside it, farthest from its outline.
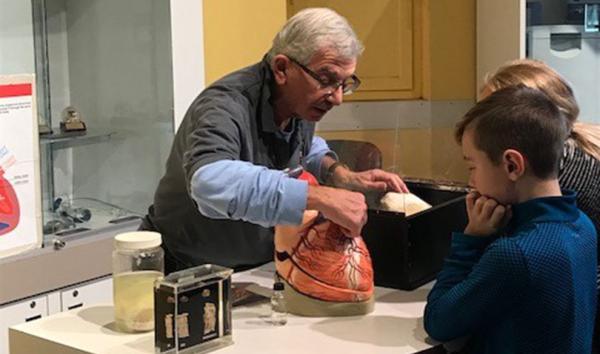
(514, 164)
(280, 66)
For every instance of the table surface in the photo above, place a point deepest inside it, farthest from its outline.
(395, 326)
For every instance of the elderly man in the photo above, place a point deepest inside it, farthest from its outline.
(224, 188)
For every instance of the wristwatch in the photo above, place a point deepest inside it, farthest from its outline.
(331, 171)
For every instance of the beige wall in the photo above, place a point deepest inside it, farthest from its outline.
(238, 33)
(447, 66)
(449, 49)
(493, 17)
(447, 162)
(449, 73)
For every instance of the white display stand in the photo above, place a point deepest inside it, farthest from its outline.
(395, 326)
(20, 197)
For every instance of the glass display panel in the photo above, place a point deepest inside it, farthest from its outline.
(105, 102)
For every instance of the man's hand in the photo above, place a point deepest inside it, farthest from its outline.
(486, 216)
(372, 180)
(345, 208)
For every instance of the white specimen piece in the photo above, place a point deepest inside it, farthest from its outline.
(406, 203)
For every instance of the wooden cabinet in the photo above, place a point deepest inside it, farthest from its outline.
(414, 48)
(389, 31)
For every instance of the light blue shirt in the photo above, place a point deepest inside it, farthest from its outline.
(240, 190)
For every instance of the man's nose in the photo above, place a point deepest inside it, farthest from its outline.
(336, 96)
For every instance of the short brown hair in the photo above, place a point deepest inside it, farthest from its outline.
(520, 118)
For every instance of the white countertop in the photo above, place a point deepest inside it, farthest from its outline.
(395, 326)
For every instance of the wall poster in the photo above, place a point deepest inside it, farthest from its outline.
(20, 194)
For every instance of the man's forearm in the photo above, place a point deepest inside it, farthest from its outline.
(239, 190)
(335, 174)
(326, 163)
(314, 160)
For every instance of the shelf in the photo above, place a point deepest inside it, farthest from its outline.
(102, 214)
(65, 140)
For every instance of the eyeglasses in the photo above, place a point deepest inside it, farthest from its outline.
(348, 86)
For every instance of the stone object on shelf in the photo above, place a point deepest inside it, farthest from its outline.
(71, 120)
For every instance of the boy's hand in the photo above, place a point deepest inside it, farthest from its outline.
(486, 216)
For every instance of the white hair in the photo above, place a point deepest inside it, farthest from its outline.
(314, 29)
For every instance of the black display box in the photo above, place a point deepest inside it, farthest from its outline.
(408, 252)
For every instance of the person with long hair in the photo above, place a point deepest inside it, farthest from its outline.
(580, 164)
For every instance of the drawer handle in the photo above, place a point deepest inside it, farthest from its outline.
(75, 306)
(33, 318)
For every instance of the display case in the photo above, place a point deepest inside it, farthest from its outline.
(407, 243)
(409, 250)
(109, 63)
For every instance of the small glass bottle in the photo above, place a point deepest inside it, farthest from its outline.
(278, 308)
(138, 260)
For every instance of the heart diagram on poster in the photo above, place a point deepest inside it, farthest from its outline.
(9, 206)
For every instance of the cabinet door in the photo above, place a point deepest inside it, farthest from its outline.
(386, 28)
(87, 294)
(54, 303)
(23, 311)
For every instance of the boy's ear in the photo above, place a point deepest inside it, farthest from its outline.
(514, 164)
(279, 66)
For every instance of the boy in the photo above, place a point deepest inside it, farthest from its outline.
(521, 278)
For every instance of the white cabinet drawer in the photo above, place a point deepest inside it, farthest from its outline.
(87, 294)
(23, 311)
(19, 312)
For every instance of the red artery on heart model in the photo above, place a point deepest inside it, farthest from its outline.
(318, 260)
(9, 206)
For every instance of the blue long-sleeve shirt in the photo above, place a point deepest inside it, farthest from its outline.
(531, 290)
(239, 190)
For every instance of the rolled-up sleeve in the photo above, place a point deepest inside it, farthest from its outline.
(216, 135)
(313, 162)
(225, 187)
(239, 190)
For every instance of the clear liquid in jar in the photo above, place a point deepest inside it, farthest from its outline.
(134, 300)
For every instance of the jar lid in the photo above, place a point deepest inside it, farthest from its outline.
(137, 240)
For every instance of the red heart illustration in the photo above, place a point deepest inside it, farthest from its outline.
(9, 206)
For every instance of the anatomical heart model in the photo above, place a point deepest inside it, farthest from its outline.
(9, 206)
(326, 273)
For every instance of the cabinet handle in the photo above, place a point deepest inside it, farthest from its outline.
(33, 318)
(75, 306)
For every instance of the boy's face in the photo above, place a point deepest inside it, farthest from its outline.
(487, 178)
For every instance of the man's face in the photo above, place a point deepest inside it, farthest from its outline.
(306, 96)
(489, 179)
